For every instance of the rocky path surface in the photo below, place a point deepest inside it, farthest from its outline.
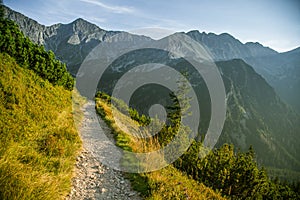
(94, 180)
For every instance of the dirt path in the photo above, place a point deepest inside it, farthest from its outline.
(94, 180)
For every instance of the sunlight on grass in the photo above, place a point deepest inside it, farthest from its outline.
(38, 140)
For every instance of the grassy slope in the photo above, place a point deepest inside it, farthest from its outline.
(167, 183)
(38, 140)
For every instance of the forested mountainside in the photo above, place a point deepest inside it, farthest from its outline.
(282, 72)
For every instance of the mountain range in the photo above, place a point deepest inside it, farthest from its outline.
(262, 85)
(72, 42)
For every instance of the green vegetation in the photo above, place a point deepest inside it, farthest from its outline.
(31, 56)
(234, 174)
(38, 140)
(255, 115)
(284, 175)
(167, 183)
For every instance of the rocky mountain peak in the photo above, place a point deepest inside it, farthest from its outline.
(79, 20)
(81, 25)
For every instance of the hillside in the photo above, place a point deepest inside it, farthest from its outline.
(32, 56)
(256, 116)
(38, 141)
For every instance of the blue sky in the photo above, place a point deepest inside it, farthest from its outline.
(274, 23)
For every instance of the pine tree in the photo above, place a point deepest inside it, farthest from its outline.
(181, 102)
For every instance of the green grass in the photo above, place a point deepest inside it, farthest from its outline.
(167, 183)
(38, 139)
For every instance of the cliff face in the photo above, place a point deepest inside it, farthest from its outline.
(29, 27)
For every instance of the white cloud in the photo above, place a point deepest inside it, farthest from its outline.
(115, 9)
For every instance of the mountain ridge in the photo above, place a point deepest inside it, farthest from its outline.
(219, 40)
(279, 69)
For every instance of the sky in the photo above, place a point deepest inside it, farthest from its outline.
(273, 23)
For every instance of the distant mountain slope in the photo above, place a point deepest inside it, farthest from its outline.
(72, 42)
(256, 116)
(281, 70)
(226, 47)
